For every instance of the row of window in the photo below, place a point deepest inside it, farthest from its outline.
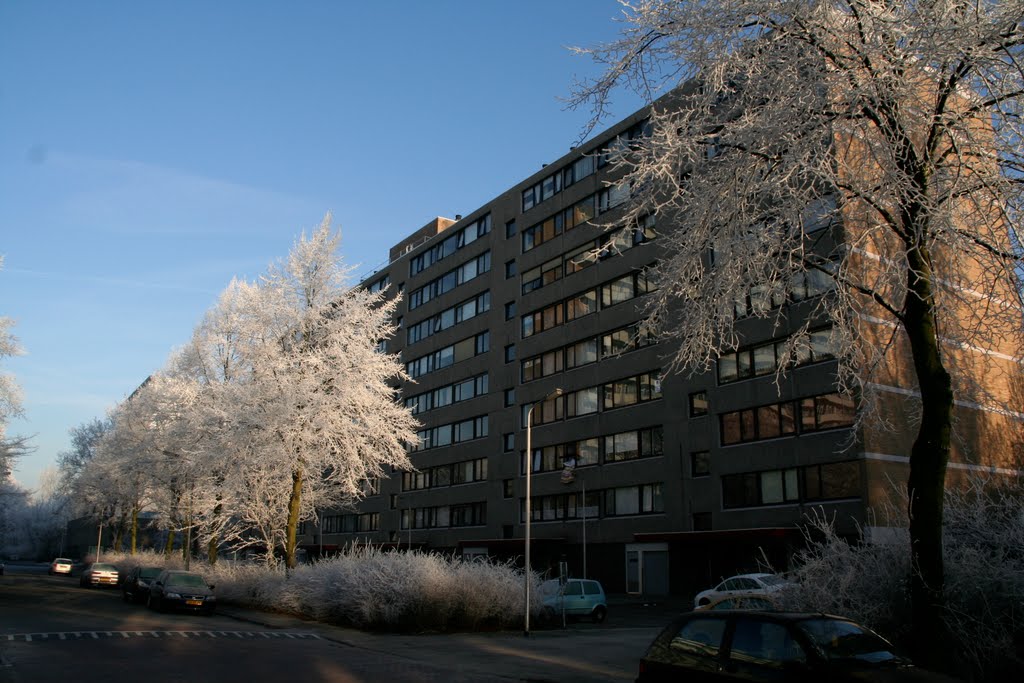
(810, 483)
(452, 393)
(636, 443)
(449, 355)
(582, 257)
(558, 181)
(817, 413)
(587, 351)
(453, 278)
(645, 499)
(802, 285)
(445, 516)
(463, 238)
(574, 216)
(620, 393)
(764, 359)
(448, 434)
(464, 472)
(449, 317)
(619, 290)
(352, 523)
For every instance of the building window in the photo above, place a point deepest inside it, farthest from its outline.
(510, 310)
(817, 413)
(700, 463)
(764, 359)
(701, 521)
(633, 500)
(510, 353)
(643, 443)
(698, 403)
(447, 247)
(507, 490)
(508, 442)
(510, 269)
(510, 397)
(510, 229)
(394, 501)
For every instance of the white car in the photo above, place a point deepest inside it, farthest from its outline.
(744, 584)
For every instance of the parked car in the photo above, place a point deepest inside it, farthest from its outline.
(181, 590)
(135, 587)
(735, 645)
(579, 598)
(743, 583)
(99, 574)
(61, 565)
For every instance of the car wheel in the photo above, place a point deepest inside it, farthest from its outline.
(124, 596)
(599, 614)
(703, 601)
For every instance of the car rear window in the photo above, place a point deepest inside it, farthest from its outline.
(150, 572)
(188, 580)
(98, 567)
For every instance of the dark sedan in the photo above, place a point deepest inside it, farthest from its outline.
(747, 645)
(135, 587)
(174, 589)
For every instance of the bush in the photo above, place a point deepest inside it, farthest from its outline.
(983, 537)
(371, 588)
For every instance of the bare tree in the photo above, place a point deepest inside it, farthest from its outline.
(870, 146)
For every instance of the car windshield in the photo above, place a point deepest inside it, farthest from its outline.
(845, 640)
(98, 567)
(61, 560)
(772, 580)
(187, 580)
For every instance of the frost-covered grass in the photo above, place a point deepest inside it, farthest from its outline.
(373, 589)
(984, 565)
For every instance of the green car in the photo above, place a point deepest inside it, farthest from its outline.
(578, 597)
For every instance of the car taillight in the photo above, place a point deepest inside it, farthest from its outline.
(643, 668)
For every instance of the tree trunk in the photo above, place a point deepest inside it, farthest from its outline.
(293, 518)
(928, 460)
(214, 544)
(169, 546)
(135, 527)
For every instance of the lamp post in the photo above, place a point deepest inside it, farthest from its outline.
(529, 468)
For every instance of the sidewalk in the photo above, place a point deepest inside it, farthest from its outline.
(582, 652)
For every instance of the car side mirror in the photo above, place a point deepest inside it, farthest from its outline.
(211, 586)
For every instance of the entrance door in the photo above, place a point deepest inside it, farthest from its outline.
(655, 572)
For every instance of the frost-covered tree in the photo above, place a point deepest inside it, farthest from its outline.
(84, 439)
(877, 143)
(318, 411)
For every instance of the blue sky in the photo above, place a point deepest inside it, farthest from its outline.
(149, 152)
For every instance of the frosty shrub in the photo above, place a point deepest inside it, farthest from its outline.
(371, 588)
(984, 558)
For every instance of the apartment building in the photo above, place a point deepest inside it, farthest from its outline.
(649, 481)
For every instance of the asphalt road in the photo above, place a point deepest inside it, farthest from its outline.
(52, 630)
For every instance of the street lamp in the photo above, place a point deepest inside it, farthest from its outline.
(529, 468)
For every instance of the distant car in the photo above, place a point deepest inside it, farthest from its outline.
(61, 565)
(743, 583)
(99, 574)
(757, 601)
(135, 587)
(579, 598)
(734, 645)
(181, 590)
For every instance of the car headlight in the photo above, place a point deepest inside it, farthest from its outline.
(210, 598)
(173, 596)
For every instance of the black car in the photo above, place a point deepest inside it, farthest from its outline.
(181, 590)
(135, 587)
(747, 645)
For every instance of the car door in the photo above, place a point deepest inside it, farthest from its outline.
(762, 649)
(573, 598)
(692, 654)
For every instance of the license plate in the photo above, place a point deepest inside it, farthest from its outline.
(195, 603)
